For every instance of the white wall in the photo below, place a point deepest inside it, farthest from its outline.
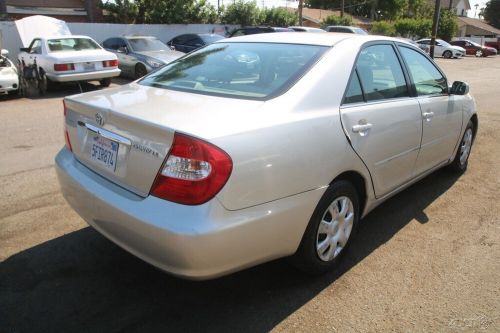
(100, 31)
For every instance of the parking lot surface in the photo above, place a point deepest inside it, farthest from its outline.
(427, 260)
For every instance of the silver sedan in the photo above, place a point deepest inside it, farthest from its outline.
(260, 147)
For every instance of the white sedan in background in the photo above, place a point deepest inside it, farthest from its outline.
(442, 48)
(70, 58)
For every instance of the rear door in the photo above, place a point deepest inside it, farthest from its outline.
(383, 123)
(441, 112)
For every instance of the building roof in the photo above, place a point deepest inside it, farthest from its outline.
(317, 15)
(477, 23)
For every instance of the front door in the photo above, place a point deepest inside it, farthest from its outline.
(441, 113)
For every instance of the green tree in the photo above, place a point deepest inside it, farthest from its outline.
(491, 13)
(384, 28)
(242, 13)
(159, 11)
(120, 11)
(280, 17)
(336, 20)
(448, 25)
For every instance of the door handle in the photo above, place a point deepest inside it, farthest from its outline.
(361, 128)
(428, 115)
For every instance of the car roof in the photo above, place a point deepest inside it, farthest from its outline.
(137, 37)
(313, 38)
(64, 37)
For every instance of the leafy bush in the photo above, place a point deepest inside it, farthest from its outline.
(280, 17)
(384, 28)
(242, 12)
(346, 20)
(413, 27)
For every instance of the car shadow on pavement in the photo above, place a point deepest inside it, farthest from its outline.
(81, 282)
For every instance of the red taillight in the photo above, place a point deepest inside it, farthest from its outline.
(64, 67)
(66, 134)
(110, 63)
(193, 172)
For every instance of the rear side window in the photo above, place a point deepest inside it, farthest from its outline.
(354, 94)
(244, 70)
(426, 77)
(380, 73)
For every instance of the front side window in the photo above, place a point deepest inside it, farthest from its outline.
(244, 70)
(36, 46)
(426, 77)
(72, 44)
(380, 73)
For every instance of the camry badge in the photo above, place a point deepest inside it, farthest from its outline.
(99, 118)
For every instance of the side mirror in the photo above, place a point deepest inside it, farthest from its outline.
(4, 52)
(122, 49)
(459, 88)
(172, 47)
(24, 49)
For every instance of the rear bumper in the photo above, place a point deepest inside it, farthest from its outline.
(8, 83)
(196, 242)
(88, 76)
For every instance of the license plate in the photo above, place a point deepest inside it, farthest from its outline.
(89, 66)
(104, 152)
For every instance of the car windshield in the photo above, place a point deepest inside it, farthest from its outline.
(71, 44)
(242, 70)
(147, 44)
(209, 39)
(442, 42)
(474, 43)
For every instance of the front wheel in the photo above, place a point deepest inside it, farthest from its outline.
(331, 227)
(461, 159)
(140, 70)
(447, 54)
(105, 82)
(479, 53)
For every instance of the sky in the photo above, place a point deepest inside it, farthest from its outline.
(481, 4)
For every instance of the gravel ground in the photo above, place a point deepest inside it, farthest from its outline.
(425, 261)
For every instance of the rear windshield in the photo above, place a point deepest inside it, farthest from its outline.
(72, 44)
(243, 70)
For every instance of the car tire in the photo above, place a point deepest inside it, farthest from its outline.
(447, 54)
(479, 53)
(461, 159)
(330, 230)
(105, 82)
(42, 82)
(140, 71)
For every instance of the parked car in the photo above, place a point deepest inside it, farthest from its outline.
(260, 147)
(495, 45)
(473, 48)
(9, 80)
(257, 30)
(346, 29)
(139, 55)
(70, 58)
(442, 48)
(423, 47)
(189, 42)
(306, 29)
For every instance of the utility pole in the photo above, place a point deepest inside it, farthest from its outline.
(342, 9)
(435, 23)
(301, 4)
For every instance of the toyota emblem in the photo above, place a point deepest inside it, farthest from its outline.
(99, 118)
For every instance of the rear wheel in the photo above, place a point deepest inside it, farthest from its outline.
(479, 53)
(461, 159)
(105, 82)
(140, 71)
(447, 54)
(331, 227)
